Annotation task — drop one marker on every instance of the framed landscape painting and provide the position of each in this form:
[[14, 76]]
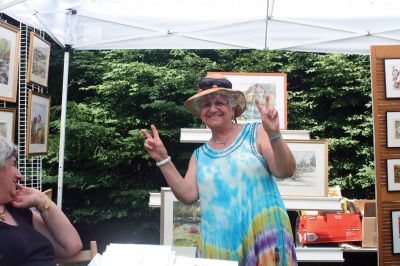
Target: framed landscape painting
[[7, 123], [395, 215], [311, 175], [9, 59], [179, 222], [38, 123], [393, 129], [258, 86], [392, 77], [39, 59], [393, 174]]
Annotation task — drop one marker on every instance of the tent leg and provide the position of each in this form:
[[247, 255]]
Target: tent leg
[[62, 130]]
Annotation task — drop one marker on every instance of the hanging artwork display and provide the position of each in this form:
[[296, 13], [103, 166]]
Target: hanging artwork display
[[39, 59], [258, 86], [9, 58], [311, 174], [393, 129], [7, 123], [392, 77], [38, 123]]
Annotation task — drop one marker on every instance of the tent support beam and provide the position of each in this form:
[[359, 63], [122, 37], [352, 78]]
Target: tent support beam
[[62, 128]]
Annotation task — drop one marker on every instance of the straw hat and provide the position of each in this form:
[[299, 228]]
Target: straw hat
[[217, 84]]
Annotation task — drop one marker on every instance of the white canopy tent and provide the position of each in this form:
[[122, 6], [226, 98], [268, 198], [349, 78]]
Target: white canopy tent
[[340, 26]]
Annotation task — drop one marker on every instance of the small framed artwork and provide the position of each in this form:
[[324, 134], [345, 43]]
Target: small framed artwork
[[39, 58], [38, 123], [180, 223], [7, 123], [392, 77], [395, 214], [9, 58], [258, 86], [393, 129], [311, 175], [393, 174]]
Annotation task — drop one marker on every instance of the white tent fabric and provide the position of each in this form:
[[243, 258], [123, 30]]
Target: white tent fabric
[[330, 26], [342, 26]]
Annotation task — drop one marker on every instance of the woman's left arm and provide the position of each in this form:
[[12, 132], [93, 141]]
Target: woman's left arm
[[269, 140], [50, 221]]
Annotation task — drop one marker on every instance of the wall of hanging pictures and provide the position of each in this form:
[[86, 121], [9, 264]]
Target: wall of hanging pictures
[[385, 70], [24, 104]]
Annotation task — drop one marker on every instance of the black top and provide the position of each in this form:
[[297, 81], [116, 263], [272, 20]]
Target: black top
[[22, 245]]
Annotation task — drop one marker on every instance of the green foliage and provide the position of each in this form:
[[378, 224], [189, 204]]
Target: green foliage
[[114, 94]]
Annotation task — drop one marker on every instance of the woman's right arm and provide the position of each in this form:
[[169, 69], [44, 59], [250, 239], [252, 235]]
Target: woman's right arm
[[185, 189]]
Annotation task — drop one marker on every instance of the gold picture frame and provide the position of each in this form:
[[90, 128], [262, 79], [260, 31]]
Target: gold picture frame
[[9, 61], [38, 123], [7, 123], [258, 86], [311, 175], [39, 60]]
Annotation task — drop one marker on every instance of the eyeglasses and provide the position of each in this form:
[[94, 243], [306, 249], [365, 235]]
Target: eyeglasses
[[217, 104], [207, 83]]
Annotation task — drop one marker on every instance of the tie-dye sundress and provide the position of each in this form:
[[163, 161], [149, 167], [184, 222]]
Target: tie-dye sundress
[[242, 213]]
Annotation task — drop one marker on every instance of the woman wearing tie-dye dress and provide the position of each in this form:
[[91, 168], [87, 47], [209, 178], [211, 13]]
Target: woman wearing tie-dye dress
[[243, 217]]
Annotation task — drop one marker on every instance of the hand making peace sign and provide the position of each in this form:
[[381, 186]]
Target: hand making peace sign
[[269, 117], [153, 145]]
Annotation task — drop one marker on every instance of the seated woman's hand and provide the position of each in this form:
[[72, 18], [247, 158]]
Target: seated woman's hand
[[28, 197]]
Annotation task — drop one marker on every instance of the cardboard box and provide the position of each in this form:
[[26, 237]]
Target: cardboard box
[[329, 228], [368, 222], [369, 235]]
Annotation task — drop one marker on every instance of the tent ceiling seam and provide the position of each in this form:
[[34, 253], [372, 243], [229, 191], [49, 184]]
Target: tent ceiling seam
[[12, 3]]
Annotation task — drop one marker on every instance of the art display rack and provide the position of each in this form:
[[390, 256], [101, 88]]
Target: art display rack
[[387, 200], [29, 167]]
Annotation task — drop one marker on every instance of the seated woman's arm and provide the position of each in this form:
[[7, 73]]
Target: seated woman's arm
[[50, 221]]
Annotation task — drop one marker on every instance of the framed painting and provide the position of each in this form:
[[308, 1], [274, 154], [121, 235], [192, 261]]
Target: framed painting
[[7, 123], [311, 175], [39, 59], [393, 174], [9, 59], [393, 129], [258, 86], [395, 215], [180, 223], [38, 123], [392, 77]]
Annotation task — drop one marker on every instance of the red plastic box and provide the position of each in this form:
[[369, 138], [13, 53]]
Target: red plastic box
[[330, 227]]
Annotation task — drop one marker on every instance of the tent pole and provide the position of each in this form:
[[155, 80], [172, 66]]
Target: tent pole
[[62, 128], [266, 28]]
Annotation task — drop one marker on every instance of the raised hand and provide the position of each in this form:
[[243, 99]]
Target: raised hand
[[153, 144], [269, 117]]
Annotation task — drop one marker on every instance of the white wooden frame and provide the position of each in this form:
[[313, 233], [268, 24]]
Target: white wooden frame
[[392, 77], [393, 174], [311, 176], [167, 226], [393, 129]]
